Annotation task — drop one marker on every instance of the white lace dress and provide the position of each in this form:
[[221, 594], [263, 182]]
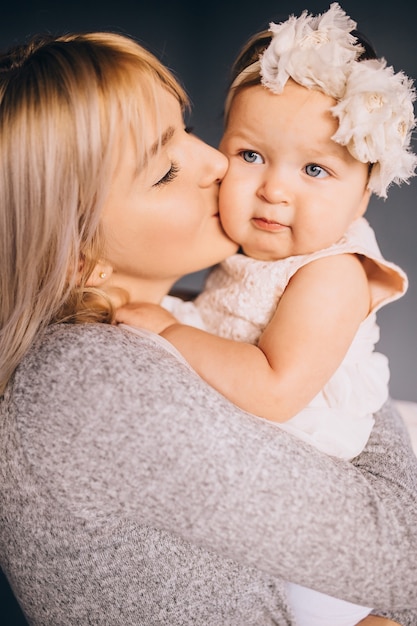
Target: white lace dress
[[239, 299]]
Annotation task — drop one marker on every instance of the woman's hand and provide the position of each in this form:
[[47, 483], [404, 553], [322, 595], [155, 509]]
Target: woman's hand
[[145, 315], [373, 620]]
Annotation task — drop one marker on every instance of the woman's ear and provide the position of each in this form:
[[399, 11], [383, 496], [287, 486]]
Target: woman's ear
[[100, 274]]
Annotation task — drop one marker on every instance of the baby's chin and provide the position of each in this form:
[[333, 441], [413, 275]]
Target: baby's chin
[[261, 255]]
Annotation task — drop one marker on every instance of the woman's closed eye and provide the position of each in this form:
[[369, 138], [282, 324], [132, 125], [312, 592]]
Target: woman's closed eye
[[316, 171], [169, 176], [251, 157]]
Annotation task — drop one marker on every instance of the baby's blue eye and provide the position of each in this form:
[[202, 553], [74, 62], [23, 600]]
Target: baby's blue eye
[[251, 157], [315, 171]]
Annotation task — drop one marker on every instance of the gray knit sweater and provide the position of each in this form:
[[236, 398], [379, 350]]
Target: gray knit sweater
[[131, 493]]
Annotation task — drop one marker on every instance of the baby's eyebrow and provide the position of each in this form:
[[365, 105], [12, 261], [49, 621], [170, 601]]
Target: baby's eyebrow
[[331, 148]]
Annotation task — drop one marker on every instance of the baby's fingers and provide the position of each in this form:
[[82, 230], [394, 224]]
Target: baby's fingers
[[145, 315]]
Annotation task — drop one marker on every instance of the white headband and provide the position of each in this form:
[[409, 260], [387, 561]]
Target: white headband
[[374, 104]]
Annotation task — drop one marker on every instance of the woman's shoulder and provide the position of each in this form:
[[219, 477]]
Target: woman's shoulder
[[88, 335], [73, 359], [82, 382], [99, 343], [90, 342]]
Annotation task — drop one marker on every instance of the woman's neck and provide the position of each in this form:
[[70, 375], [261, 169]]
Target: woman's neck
[[140, 289]]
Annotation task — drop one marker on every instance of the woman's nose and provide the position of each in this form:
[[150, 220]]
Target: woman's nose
[[214, 166]]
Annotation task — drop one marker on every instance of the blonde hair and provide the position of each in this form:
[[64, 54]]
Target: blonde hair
[[65, 105]]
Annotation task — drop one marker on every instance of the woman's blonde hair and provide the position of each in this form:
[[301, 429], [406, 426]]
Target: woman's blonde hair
[[65, 104]]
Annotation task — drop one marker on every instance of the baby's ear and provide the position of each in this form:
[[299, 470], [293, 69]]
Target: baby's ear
[[363, 205]]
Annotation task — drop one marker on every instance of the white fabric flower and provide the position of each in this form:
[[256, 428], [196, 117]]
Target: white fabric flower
[[376, 117], [313, 51], [374, 104]]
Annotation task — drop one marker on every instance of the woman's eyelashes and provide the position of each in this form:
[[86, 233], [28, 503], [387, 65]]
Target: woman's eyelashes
[[169, 176]]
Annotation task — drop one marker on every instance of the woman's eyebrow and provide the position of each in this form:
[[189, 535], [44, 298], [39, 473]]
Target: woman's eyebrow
[[161, 141]]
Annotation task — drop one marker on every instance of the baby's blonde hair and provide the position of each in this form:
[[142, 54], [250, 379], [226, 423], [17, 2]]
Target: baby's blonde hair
[[66, 103]]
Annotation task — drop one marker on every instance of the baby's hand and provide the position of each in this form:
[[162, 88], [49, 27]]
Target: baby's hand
[[145, 315]]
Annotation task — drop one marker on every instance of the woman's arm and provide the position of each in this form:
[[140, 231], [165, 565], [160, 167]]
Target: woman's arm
[[142, 437]]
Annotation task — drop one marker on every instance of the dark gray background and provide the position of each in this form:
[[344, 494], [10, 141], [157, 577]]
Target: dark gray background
[[198, 41]]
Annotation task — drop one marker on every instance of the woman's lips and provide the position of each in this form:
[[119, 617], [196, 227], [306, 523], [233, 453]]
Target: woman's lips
[[268, 225]]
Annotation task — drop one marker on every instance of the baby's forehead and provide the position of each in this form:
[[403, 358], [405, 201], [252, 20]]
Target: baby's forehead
[[296, 105], [299, 118]]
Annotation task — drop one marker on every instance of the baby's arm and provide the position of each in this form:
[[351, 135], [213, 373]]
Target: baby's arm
[[305, 342]]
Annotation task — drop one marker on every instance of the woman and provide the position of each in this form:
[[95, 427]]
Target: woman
[[131, 492]]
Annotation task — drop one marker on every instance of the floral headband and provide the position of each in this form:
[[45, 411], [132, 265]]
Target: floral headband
[[374, 104]]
